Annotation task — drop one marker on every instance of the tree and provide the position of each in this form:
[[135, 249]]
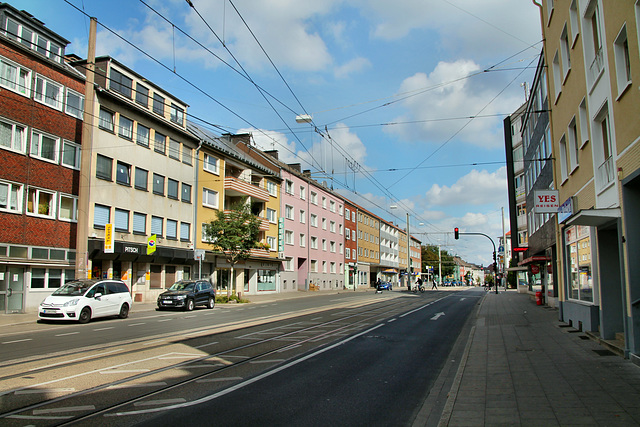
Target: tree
[[234, 233]]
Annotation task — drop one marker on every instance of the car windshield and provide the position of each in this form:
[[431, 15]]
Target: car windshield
[[182, 286], [73, 289]]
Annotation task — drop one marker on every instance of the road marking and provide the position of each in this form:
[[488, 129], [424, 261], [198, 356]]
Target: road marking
[[206, 345], [160, 402], [288, 348], [317, 318], [15, 341], [75, 360], [67, 409], [45, 390], [137, 324], [437, 316], [180, 356], [391, 320], [216, 365], [154, 342], [35, 417], [462, 299], [165, 320], [156, 384], [215, 380], [189, 317], [103, 329], [245, 383], [68, 333], [255, 362], [123, 371]]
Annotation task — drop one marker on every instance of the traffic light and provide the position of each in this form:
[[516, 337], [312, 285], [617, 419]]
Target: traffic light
[[456, 233]]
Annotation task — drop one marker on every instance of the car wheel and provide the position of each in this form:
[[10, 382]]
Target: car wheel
[[124, 311], [189, 305], [211, 303], [85, 315]]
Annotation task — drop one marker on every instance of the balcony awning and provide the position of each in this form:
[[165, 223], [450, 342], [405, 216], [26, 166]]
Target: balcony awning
[[533, 259], [594, 217]]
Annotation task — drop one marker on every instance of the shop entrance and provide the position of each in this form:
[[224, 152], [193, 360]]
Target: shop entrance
[[12, 290]]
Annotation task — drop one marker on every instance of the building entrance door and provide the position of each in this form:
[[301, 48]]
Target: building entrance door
[[12, 290]]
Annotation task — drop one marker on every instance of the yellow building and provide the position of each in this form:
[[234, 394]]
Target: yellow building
[[368, 245]]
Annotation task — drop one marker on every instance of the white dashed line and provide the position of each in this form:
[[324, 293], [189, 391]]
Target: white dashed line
[[15, 341], [160, 402], [67, 409]]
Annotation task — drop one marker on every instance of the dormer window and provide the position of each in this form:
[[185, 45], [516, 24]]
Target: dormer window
[[177, 114], [33, 40], [120, 83]]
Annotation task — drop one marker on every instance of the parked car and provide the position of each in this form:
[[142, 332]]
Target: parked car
[[83, 300], [187, 294]]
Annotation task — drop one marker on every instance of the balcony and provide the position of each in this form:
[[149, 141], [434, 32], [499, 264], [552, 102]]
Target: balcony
[[263, 253], [237, 187], [605, 173], [264, 222]]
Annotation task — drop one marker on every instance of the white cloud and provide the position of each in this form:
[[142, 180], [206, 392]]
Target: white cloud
[[474, 188], [353, 66]]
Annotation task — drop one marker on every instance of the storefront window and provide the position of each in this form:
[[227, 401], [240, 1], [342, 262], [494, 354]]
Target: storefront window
[[578, 243], [266, 280]]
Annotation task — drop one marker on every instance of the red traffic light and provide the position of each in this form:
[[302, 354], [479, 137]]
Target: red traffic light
[[456, 233]]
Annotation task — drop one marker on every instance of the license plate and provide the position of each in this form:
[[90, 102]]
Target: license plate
[[167, 301], [49, 311]]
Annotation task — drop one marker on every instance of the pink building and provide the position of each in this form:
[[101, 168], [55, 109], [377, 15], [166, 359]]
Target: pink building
[[313, 233]]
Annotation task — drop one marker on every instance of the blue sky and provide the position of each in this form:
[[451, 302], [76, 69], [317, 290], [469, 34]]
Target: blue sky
[[407, 96]]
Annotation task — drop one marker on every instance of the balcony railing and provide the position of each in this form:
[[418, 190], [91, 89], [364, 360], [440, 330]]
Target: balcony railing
[[596, 67], [246, 188], [606, 173]]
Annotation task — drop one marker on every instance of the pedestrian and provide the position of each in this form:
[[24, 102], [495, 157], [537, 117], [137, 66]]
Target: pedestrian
[[435, 285]]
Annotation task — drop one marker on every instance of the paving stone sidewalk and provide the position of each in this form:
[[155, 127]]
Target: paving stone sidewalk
[[523, 367]]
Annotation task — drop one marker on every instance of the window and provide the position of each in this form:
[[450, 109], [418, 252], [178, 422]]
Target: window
[[12, 136], [120, 83], [314, 242], [186, 193], [10, 197], [324, 223], [353, 235], [104, 167], [572, 133], [211, 165], [324, 244], [142, 95], [174, 149], [71, 155], [272, 188], [271, 215], [15, 77], [186, 155], [105, 120], [156, 225], [341, 249], [347, 253], [346, 213], [121, 220], [324, 266], [158, 104], [353, 216], [332, 206], [303, 216], [176, 114], [48, 92], [332, 226], [324, 202], [584, 124], [288, 187], [172, 188], [565, 52], [314, 198], [159, 142], [623, 65], [172, 229], [142, 135], [272, 242], [563, 159], [332, 267], [332, 246], [125, 128], [49, 278], [288, 212], [158, 184], [101, 216], [557, 75], [185, 231], [141, 178], [210, 198], [314, 220], [347, 233], [288, 264], [303, 240], [139, 223], [303, 192], [74, 104], [44, 146], [573, 19], [340, 228], [288, 237], [314, 266], [123, 173]]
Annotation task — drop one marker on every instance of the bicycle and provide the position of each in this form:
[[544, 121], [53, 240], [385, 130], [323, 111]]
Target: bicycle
[[417, 288]]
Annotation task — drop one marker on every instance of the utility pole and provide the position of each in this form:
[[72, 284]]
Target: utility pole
[[439, 266], [84, 190], [504, 253], [408, 253]]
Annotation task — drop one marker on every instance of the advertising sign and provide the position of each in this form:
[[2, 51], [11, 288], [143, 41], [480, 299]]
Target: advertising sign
[[151, 244], [108, 238], [546, 201], [281, 234], [565, 210]]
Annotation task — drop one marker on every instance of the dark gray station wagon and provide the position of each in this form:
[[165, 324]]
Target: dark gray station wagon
[[186, 294]]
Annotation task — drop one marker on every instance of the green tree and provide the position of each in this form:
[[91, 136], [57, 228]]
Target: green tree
[[234, 233]]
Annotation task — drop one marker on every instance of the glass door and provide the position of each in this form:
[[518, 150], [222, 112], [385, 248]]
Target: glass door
[[15, 290]]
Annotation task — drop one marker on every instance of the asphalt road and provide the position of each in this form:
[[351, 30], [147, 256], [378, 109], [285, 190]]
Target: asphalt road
[[379, 376]]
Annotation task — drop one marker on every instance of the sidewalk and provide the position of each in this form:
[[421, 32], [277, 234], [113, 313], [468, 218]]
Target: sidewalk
[[523, 367]]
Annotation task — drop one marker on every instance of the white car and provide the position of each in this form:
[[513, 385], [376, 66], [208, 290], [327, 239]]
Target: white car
[[83, 300]]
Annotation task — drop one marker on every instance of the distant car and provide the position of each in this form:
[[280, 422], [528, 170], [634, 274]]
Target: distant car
[[385, 286], [187, 294], [83, 300]]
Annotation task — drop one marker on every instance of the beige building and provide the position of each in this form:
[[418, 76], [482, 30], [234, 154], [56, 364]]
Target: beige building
[[592, 50], [368, 246]]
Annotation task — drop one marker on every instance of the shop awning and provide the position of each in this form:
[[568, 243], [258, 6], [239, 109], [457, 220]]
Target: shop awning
[[517, 268], [390, 270], [594, 217], [532, 259]]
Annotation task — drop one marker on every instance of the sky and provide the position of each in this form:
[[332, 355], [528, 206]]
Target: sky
[[407, 97]]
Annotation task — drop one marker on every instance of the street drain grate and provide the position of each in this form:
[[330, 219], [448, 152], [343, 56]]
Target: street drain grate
[[604, 353]]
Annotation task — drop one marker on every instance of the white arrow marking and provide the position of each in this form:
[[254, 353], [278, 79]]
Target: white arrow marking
[[462, 299], [437, 315]]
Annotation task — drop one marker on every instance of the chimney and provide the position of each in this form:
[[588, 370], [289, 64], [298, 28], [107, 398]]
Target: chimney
[[307, 173], [295, 166], [272, 153]]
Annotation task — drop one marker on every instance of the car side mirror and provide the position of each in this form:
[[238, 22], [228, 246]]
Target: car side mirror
[[97, 295]]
